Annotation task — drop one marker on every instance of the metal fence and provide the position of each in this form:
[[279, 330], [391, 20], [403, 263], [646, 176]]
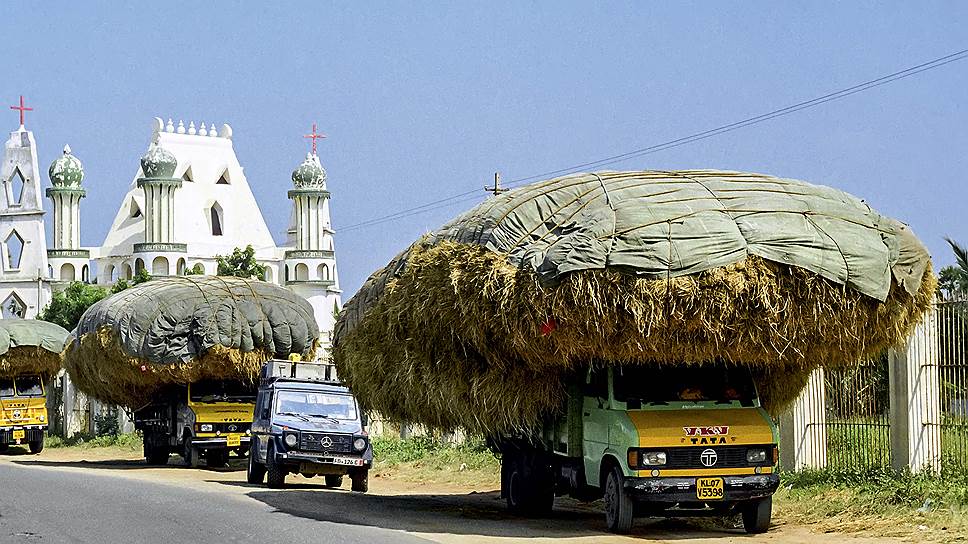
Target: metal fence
[[952, 369], [857, 416]]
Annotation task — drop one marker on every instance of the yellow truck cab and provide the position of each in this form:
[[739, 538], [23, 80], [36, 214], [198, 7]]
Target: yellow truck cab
[[207, 419], [23, 412], [668, 441]]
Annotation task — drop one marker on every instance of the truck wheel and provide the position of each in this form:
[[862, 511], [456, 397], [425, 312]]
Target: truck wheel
[[4, 447], [359, 481], [618, 503], [256, 472], [530, 491], [334, 480], [217, 458], [156, 455], [36, 446], [275, 473], [757, 514], [190, 453]]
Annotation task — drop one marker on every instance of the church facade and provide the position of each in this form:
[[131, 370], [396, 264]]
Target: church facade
[[188, 202]]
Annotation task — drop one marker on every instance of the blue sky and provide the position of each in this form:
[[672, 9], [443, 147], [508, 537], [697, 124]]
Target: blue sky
[[425, 101]]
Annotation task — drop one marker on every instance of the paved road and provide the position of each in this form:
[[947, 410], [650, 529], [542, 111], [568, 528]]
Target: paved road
[[52, 506]]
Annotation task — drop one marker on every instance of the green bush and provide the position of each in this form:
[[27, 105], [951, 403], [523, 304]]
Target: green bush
[[886, 486], [130, 441], [472, 453]]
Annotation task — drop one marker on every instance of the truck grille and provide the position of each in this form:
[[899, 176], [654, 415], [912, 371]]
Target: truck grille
[[31, 435], [726, 457], [341, 443]]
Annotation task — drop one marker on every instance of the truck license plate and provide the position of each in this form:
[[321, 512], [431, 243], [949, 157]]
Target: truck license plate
[[347, 461], [19, 434], [233, 440], [709, 489]]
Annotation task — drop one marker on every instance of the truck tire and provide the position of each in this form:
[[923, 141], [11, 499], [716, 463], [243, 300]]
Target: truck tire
[[619, 506], [275, 473], [360, 481], [530, 489], [156, 455], [256, 473], [4, 448], [36, 446], [217, 458], [757, 514], [334, 480]]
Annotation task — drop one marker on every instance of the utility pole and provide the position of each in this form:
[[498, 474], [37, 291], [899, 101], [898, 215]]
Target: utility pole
[[497, 189]]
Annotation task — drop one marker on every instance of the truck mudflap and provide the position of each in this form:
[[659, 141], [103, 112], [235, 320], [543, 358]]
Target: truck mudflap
[[686, 490]]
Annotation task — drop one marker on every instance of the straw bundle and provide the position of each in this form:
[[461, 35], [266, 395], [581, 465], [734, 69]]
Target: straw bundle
[[30, 347], [177, 330], [454, 333]]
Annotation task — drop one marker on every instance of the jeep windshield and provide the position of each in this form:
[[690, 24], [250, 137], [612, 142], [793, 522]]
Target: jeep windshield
[[221, 391], [657, 386], [313, 404]]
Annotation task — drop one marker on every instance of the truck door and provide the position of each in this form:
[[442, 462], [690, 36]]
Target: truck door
[[595, 423]]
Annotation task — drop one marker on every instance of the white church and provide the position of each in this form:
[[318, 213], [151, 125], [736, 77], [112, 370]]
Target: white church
[[188, 202]]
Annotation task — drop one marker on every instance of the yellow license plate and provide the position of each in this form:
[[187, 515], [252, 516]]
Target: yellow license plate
[[19, 435], [233, 440], [709, 489]]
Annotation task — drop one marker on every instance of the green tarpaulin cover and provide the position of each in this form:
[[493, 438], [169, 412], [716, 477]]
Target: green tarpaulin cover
[[15, 333]]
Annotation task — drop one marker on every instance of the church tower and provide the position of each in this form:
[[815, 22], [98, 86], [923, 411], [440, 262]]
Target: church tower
[[311, 265], [67, 260], [23, 245]]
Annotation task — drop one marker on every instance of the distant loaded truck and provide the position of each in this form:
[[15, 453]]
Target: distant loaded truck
[[673, 441], [23, 412], [207, 419]]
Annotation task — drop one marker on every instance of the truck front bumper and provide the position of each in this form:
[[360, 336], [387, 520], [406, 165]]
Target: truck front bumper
[[220, 442], [683, 490], [32, 433]]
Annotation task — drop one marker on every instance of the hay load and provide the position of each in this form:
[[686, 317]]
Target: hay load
[[480, 323], [30, 347], [179, 330]]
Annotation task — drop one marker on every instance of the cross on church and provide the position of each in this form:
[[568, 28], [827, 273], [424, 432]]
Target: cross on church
[[23, 109], [314, 136]]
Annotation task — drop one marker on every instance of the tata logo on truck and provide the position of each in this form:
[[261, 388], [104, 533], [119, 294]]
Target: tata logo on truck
[[715, 434]]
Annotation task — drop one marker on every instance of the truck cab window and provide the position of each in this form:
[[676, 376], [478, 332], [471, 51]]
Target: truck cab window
[[221, 391], [597, 383], [6, 388], [662, 385], [29, 386]]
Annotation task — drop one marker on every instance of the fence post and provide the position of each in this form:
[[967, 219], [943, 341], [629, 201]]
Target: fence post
[[915, 400], [803, 440]]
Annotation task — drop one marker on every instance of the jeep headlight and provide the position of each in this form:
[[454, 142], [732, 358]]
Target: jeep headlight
[[291, 440], [755, 455], [359, 444], [205, 427]]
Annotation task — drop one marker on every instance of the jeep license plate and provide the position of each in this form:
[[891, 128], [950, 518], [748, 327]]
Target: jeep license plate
[[19, 434], [709, 489], [233, 440], [347, 461]]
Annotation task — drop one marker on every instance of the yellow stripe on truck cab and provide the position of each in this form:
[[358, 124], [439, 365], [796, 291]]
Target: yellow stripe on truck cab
[[701, 427]]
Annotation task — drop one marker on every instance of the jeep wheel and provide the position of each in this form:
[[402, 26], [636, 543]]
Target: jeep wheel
[[360, 481], [36, 446], [618, 503], [275, 473], [334, 480], [256, 472], [757, 514]]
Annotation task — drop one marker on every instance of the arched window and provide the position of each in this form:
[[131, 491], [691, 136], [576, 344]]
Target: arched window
[[15, 187], [302, 272], [322, 271], [180, 267], [127, 271], [139, 265], [287, 272], [268, 275], [159, 266], [85, 274], [50, 271], [15, 250], [67, 272], [111, 273], [215, 213], [13, 306]]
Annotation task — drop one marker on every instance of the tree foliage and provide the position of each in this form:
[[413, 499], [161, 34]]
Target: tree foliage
[[66, 306], [241, 264], [953, 280], [122, 284], [197, 270]]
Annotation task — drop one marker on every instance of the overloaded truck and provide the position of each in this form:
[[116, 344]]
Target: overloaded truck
[[30, 356], [308, 423], [184, 354], [206, 419], [625, 334], [650, 442]]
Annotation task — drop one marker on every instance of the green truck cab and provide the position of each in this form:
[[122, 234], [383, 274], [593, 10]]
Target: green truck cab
[[668, 441]]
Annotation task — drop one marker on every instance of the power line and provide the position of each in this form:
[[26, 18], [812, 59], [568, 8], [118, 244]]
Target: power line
[[836, 95]]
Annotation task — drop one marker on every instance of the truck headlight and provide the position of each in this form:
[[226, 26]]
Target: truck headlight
[[755, 455], [359, 444], [42, 418], [644, 458], [290, 440], [205, 427]]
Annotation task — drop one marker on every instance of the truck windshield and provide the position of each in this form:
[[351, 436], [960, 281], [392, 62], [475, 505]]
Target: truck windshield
[[221, 391], [313, 404], [658, 386], [6, 387], [29, 386]]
